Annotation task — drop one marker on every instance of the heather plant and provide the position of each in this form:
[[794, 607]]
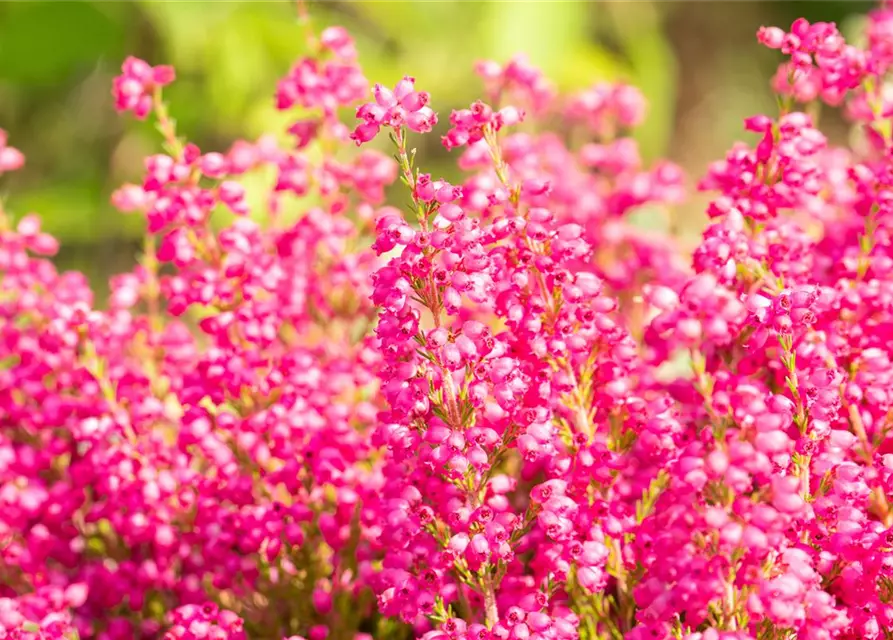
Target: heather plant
[[500, 411]]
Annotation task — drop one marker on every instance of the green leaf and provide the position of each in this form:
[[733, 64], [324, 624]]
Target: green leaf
[[241, 64], [637, 25], [47, 43], [519, 27], [186, 29], [76, 212], [650, 218], [570, 60]]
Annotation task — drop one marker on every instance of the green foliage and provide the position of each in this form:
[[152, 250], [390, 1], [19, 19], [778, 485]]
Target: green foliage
[[645, 506], [43, 43], [885, 589]]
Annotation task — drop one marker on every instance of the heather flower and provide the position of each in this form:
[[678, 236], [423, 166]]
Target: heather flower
[[10, 157], [501, 411], [402, 106], [133, 89]]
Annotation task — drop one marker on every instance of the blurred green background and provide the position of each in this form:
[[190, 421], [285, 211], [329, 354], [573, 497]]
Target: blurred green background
[[698, 64]]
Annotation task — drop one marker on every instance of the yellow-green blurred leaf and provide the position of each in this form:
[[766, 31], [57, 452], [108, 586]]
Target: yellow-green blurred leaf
[[42, 43]]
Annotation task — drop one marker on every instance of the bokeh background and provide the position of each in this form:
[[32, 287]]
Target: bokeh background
[[698, 64]]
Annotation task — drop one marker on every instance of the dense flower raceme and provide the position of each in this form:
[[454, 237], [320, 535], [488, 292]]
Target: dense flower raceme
[[465, 418]]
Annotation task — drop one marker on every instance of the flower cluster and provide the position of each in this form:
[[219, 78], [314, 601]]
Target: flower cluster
[[502, 412], [404, 106], [606, 108], [328, 81], [822, 64], [133, 90], [206, 621], [472, 125]]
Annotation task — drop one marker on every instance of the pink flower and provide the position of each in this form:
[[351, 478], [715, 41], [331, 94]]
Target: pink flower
[[133, 89], [10, 158]]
